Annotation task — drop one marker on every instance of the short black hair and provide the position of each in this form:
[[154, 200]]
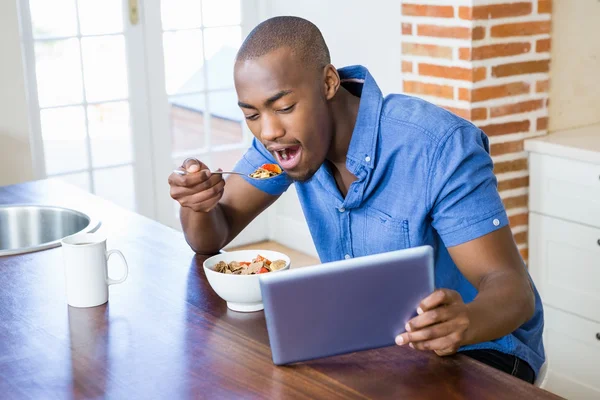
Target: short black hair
[[302, 37]]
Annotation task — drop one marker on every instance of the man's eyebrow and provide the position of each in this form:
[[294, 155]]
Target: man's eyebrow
[[269, 101], [244, 105], [276, 97]]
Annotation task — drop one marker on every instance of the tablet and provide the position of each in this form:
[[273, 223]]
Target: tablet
[[344, 306]]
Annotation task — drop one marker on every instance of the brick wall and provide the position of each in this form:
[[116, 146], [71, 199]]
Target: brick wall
[[487, 61]]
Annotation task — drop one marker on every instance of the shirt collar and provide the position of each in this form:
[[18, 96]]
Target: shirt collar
[[362, 149]]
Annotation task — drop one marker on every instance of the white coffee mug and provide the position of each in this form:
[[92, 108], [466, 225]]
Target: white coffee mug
[[86, 269]]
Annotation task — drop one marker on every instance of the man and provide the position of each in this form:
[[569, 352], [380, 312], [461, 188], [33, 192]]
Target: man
[[374, 174]]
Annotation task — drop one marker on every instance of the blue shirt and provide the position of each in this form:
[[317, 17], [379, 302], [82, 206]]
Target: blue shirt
[[424, 177]]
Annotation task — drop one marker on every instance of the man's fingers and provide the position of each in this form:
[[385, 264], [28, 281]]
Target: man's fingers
[[207, 194], [208, 204], [446, 352], [190, 179], [198, 193], [178, 192], [430, 317], [197, 178], [438, 298], [204, 195], [193, 165], [445, 345], [430, 333], [193, 168], [194, 183]]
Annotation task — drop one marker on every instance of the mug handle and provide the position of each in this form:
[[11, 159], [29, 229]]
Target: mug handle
[[110, 281]]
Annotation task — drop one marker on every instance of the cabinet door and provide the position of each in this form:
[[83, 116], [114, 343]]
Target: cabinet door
[[573, 353], [565, 189], [565, 264]]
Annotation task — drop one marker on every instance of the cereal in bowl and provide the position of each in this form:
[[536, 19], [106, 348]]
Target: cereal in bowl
[[258, 265]]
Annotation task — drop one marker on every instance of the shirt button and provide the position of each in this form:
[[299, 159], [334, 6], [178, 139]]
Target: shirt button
[[496, 222], [341, 209], [347, 256], [367, 158]]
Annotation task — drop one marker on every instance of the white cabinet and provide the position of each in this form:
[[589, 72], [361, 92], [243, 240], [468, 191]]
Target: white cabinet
[[564, 262], [565, 188], [564, 256], [574, 355]]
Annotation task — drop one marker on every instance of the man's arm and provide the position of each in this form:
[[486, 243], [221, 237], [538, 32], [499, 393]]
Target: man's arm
[[214, 213], [505, 298]]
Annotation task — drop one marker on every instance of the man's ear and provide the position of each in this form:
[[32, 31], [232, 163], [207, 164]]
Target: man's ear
[[331, 81]]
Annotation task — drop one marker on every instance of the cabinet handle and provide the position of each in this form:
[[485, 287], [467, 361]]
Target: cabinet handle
[[598, 335], [598, 241]]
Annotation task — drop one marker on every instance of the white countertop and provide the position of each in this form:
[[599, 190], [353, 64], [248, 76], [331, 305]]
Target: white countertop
[[582, 144]]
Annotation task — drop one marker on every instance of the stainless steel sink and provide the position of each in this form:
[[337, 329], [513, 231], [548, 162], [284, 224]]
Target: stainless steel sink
[[28, 228]]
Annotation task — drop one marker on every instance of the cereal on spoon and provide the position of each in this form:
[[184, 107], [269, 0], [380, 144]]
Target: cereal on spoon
[[266, 171]]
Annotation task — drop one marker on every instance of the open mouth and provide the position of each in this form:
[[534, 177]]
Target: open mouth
[[288, 157]]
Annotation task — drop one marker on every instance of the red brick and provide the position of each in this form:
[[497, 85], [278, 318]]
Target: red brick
[[521, 237], [478, 33], [458, 32], [520, 68], [542, 46], [464, 53], [494, 92], [441, 71], [500, 11], [478, 113], [500, 50], [510, 166], [461, 112], [507, 147], [418, 10], [427, 50], [465, 12], [472, 115], [518, 219], [544, 6], [506, 128], [514, 202], [479, 74], [516, 108], [521, 29], [524, 254], [407, 66], [458, 73], [429, 89], [406, 29], [513, 183], [542, 86], [464, 94], [542, 124]]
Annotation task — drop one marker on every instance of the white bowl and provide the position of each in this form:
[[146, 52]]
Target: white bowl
[[241, 292]]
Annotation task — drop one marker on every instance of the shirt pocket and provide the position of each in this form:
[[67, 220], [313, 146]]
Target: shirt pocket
[[385, 233]]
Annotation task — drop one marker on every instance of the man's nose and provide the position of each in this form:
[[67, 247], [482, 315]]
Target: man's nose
[[271, 129]]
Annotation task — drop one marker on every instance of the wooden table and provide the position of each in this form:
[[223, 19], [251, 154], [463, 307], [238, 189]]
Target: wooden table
[[165, 334]]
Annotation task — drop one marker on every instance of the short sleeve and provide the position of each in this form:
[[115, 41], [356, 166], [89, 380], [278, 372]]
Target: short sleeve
[[463, 190], [254, 157]]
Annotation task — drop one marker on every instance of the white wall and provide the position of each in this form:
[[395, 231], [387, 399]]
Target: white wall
[[357, 32], [15, 151], [575, 67]]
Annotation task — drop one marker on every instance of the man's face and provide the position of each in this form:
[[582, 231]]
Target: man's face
[[286, 108]]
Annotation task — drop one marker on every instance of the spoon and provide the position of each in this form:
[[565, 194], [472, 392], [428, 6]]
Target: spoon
[[182, 172], [268, 167]]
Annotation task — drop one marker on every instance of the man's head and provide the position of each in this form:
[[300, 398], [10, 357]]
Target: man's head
[[284, 82]]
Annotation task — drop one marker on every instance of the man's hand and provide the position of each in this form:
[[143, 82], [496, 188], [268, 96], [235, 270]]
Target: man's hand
[[198, 189], [441, 325]]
